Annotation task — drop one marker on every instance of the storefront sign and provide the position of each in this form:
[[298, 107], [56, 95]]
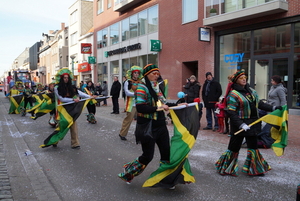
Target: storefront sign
[[83, 67], [233, 59], [86, 48], [155, 45], [204, 34], [92, 60], [123, 50]]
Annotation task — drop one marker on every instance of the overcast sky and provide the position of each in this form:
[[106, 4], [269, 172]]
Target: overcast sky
[[22, 23]]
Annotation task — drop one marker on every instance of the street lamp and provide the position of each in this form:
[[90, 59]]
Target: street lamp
[[73, 57]]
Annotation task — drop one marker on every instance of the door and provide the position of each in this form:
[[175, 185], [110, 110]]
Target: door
[[265, 68]]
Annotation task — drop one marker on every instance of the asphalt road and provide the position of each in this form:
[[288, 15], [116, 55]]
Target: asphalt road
[[91, 173]]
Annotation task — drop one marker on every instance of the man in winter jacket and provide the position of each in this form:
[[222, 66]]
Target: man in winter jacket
[[210, 94], [115, 93]]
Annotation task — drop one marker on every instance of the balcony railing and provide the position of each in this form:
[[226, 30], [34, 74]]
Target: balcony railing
[[220, 12]]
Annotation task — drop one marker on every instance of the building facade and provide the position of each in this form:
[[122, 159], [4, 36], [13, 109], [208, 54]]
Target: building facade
[[260, 36], [80, 22]]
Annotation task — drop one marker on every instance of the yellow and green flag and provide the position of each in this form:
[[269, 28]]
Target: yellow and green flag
[[178, 171], [68, 113], [279, 131], [47, 105], [15, 103]]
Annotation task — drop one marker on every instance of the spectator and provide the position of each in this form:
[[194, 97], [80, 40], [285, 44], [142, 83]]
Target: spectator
[[115, 93], [192, 89], [104, 92], [210, 94]]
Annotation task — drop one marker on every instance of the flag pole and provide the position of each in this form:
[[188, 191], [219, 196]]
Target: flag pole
[[255, 122]]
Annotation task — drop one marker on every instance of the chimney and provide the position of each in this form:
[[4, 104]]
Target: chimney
[[62, 26]]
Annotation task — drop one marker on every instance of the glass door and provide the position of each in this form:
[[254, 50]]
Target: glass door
[[265, 69]]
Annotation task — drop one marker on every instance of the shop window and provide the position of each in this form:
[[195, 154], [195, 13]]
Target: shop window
[[102, 72], [133, 26], [125, 29], [189, 11], [114, 67], [125, 66], [142, 23], [153, 19], [296, 70], [114, 34]]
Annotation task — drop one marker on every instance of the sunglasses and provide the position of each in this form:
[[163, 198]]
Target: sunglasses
[[156, 73]]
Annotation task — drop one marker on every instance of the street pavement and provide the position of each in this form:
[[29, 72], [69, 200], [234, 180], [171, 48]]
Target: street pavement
[[31, 173]]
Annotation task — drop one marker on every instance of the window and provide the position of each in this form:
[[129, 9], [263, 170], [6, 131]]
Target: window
[[142, 23], [73, 17], [153, 19], [114, 34], [73, 38], [125, 29], [133, 26], [189, 10], [102, 38], [109, 3], [280, 37], [100, 6]]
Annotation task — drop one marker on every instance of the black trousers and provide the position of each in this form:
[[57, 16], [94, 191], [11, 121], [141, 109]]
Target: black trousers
[[91, 108], [115, 101], [236, 141], [162, 140]]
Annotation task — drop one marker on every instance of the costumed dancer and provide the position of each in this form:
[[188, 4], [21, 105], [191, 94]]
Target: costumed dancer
[[20, 87], [39, 88], [64, 93], [91, 106], [27, 99], [14, 104], [13, 91], [242, 109], [148, 97], [50, 91], [130, 85]]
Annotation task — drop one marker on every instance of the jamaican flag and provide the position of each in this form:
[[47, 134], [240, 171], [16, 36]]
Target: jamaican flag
[[279, 131], [47, 105], [15, 103], [68, 113], [178, 171], [39, 99]]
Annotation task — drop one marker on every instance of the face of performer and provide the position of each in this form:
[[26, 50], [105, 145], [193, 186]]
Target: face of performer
[[153, 76], [242, 80], [51, 87], [66, 78], [135, 75]]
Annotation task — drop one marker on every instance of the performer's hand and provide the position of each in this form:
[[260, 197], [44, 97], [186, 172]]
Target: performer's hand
[[76, 100], [245, 127], [163, 107], [183, 104], [278, 108]]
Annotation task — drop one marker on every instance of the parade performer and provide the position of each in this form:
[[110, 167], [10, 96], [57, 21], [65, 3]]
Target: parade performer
[[91, 107], [150, 113], [20, 87], [39, 88], [68, 113], [242, 109], [130, 85], [16, 100], [27, 92]]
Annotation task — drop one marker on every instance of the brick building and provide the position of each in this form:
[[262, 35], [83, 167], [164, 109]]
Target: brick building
[[260, 36]]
